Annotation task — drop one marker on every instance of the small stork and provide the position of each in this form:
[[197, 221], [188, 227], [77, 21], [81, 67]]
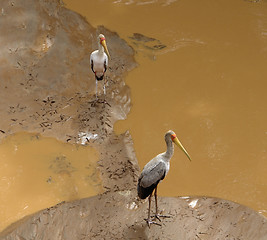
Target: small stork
[[99, 61], [155, 171]]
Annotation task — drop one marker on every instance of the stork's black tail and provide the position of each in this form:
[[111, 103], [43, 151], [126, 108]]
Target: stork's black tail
[[99, 78], [145, 192]]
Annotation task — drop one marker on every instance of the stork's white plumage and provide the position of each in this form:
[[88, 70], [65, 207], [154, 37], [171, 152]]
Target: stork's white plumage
[[99, 61], [155, 171]]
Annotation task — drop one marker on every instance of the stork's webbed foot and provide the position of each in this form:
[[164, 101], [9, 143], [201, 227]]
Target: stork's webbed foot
[[149, 222], [97, 100], [93, 103], [158, 216], [104, 101]]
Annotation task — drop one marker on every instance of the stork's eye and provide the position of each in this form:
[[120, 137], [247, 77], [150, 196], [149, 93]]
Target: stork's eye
[[173, 136]]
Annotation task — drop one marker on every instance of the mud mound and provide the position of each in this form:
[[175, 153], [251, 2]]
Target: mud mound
[[120, 216]]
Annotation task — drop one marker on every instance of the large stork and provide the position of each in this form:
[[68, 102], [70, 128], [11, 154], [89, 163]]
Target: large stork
[[99, 61], [155, 171]]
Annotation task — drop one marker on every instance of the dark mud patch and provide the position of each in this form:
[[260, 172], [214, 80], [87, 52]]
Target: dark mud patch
[[146, 46]]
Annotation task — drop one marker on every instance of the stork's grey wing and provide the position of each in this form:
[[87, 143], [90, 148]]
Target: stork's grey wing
[[153, 174]]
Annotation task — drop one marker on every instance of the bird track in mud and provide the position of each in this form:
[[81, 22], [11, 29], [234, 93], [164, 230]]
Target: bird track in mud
[[50, 90]]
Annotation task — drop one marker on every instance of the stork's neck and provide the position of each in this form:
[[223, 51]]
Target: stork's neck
[[100, 48], [170, 149]]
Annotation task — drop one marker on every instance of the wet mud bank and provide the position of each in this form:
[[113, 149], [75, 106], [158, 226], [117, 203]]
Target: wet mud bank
[[118, 216], [47, 87]]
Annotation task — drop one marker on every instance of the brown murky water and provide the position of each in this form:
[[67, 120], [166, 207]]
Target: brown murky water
[[208, 84], [37, 172]]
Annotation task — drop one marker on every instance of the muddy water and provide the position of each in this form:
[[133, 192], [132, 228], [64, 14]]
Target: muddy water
[[208, 84], [37, 172]]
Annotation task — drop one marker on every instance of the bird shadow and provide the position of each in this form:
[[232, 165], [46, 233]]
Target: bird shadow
[[136, 231]]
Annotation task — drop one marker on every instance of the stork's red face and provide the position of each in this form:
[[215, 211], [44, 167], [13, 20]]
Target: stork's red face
[[173, 136], [102, 39]]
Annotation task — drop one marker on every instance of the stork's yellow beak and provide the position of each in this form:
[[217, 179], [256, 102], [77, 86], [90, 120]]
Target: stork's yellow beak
[[179, 144], [103, 42]]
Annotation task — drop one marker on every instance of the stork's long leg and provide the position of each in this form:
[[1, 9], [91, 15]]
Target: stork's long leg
[[148, 220], [149, 206], [104, 88], [96, 88], [157, 215], [156, 202]]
